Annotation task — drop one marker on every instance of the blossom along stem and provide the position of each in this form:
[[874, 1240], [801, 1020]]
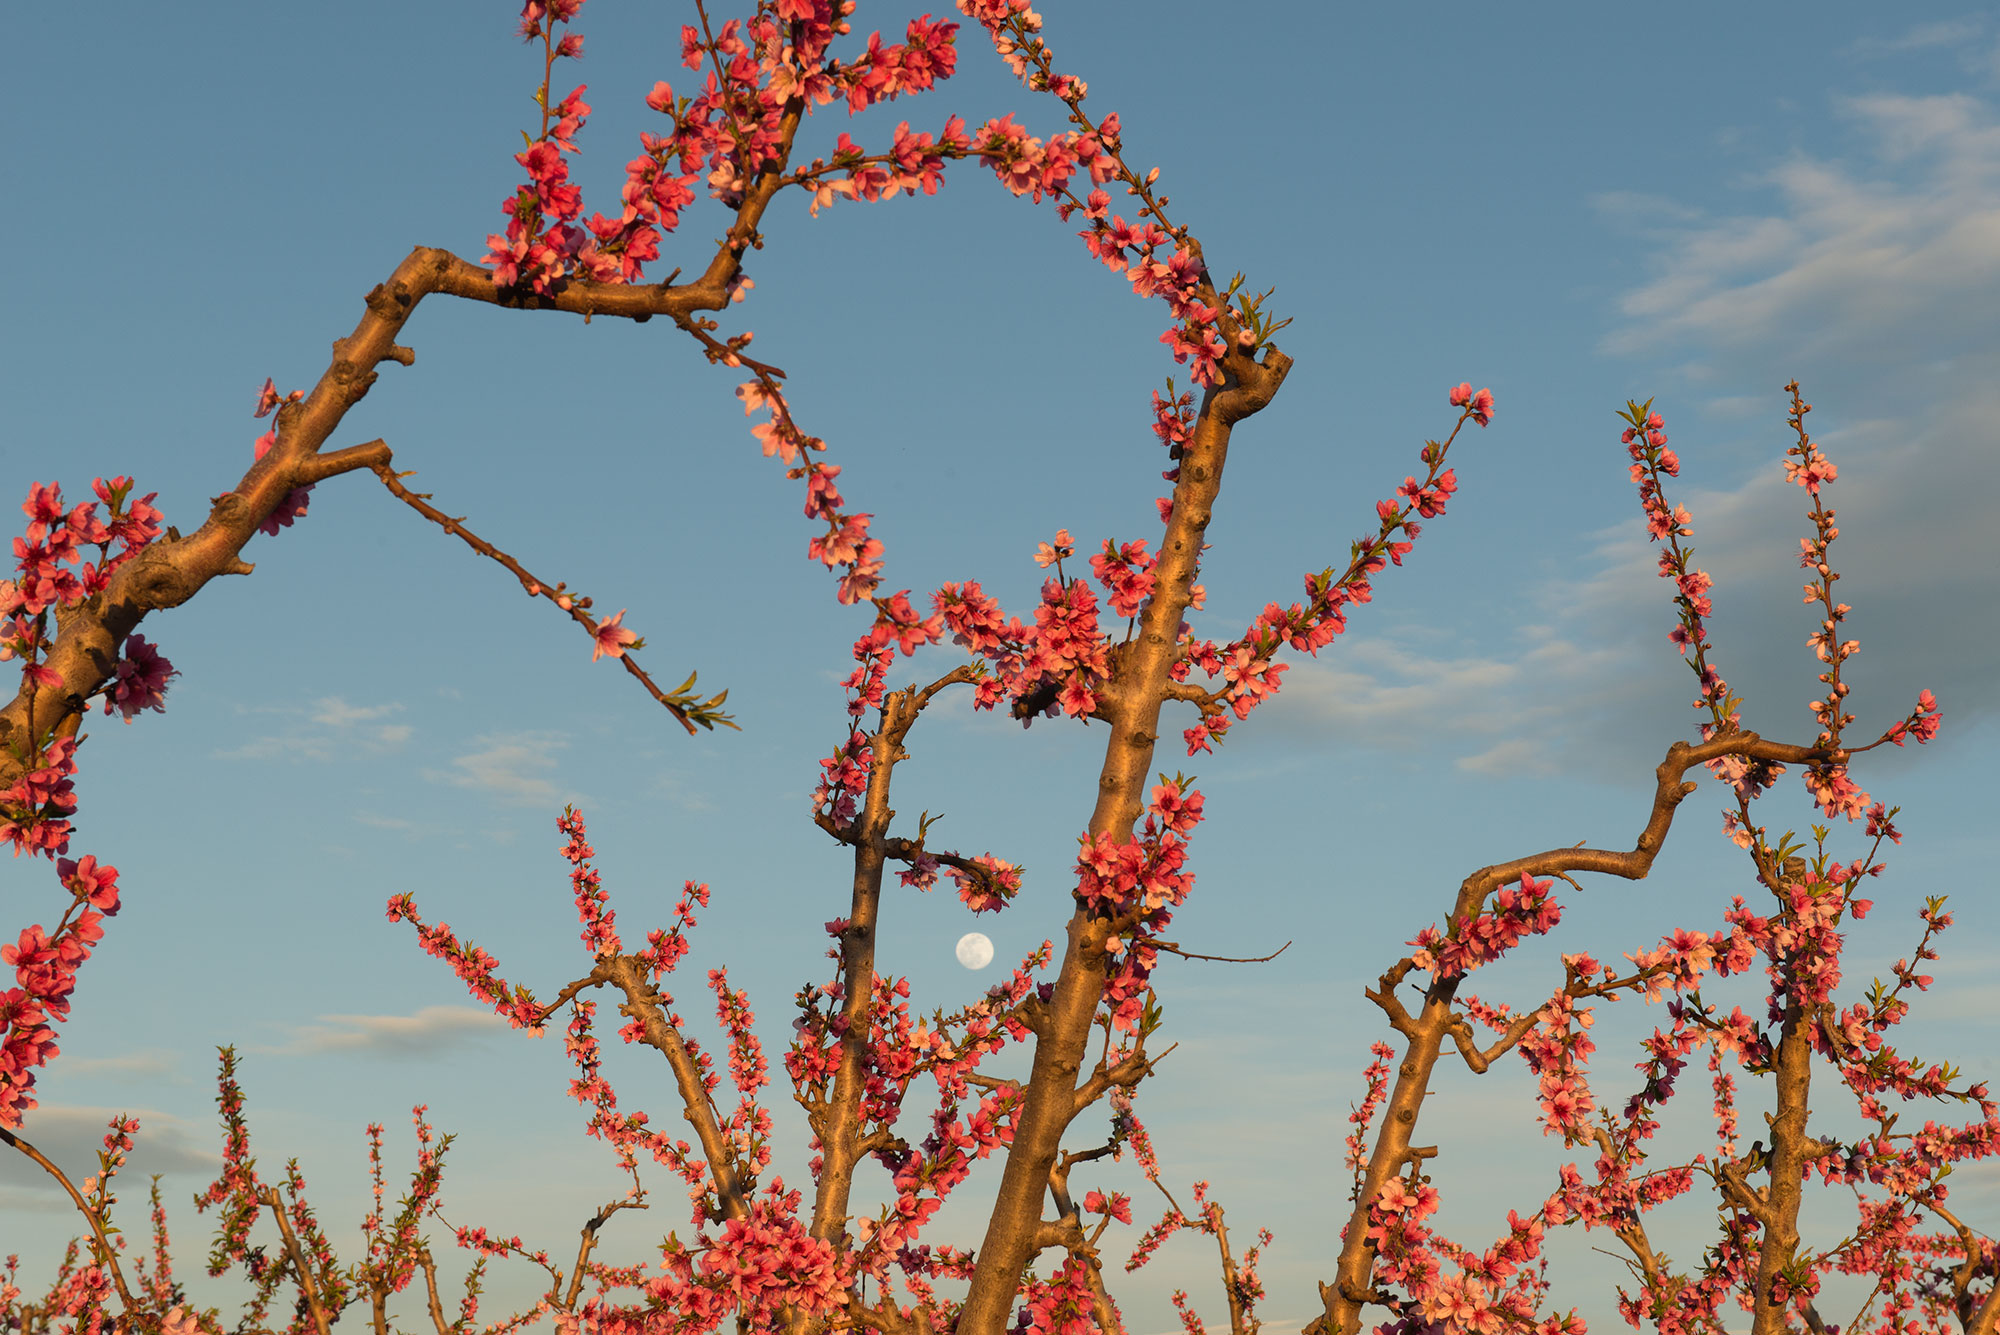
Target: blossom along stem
[[1389, 1257], [92, 1212], [1131, 701], [164, 574], [684, 703], [858, 1050]]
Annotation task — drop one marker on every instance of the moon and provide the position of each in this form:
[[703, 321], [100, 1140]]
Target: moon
[[974, 950]]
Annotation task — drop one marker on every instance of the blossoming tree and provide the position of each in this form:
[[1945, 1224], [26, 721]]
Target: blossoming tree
[[802, 1258]]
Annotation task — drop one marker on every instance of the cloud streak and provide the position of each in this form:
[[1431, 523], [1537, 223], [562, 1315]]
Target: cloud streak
[[513, 768], [1871, 278], [141, 1065], [71, 1136], [326, 729], [431, 1030]]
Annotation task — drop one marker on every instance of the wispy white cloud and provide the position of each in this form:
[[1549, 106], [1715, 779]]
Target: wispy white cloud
[[430, 1030], [390, 823], [1871, 277], [322, 730], [1385, 690], [1849, 261], [682, 792], [1616, 206], [1737, 406], [1963, 36], [146, 1065], [71, 1135], [514, 768], [334, 712]]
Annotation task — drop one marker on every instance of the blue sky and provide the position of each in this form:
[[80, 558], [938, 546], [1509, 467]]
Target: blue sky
[[1572, 209]]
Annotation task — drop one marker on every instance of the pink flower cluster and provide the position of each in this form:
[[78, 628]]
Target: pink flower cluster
[[1180, 278], [1527, 910], [45, 965], [986, 890], [1496, 1290], [1376, 1077], [896, 1050], [915, 162], [1921, 725], [474, 967], [1829, 781], [749, 1126], [1246, 1289], [394, 1246], [846, 542], [1646, 441], [237, 1187], [1139, 881], [293, 507], [761, 1260], [600, 935], [53, 541], [1059, 1305], [395, 1249], [35, 809], [1802, 949], [768, 1261], [729, 134], [1801, 944], [1250, 676], [542, 241], [844, 776], [84, 1293], [1059, 660]]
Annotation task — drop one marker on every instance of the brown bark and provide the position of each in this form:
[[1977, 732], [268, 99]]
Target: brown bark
[[174, 567], [309, 1293], [1979, 1316], [1130, 702], [100, 1244], [1791, 1065], [656, 1030], [1425, 1033], [837, 1123]]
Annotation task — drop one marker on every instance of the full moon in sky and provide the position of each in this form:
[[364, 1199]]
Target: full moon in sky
[[974, 950]]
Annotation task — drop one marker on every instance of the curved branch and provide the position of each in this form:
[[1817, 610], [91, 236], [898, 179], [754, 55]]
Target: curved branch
[[1979, 1317], [642, 1003], [1425, 1033], [308, 1289], [172, 570], [1126, 1075], [102, 1244]]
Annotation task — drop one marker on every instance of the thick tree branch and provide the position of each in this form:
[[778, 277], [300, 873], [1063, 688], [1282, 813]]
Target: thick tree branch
[[642, 1003], [1130, 701], [301, 1266], [1425, 1032], [175, 568]]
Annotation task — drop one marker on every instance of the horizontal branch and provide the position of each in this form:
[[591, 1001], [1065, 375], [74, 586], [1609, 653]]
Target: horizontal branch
[[176, 567], [1669, 791]]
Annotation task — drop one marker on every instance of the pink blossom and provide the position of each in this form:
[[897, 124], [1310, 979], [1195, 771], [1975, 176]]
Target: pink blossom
[[611, 638]]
